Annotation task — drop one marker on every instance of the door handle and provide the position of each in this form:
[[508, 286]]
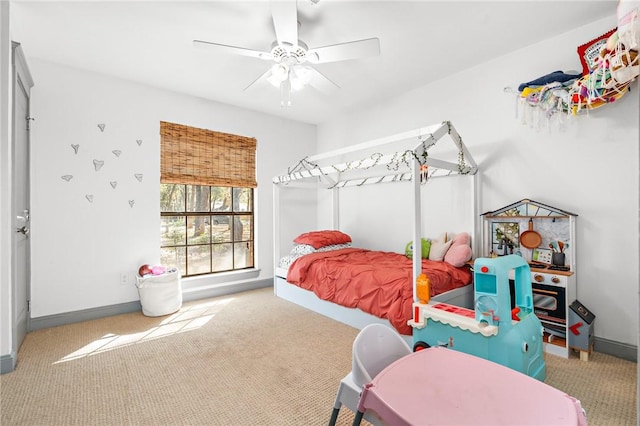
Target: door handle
[[24, 230], [24, 218]]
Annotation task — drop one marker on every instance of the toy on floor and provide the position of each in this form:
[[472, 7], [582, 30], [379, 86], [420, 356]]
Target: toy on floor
[[494, 330]]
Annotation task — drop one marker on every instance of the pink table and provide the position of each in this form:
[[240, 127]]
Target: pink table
[[439, 386]]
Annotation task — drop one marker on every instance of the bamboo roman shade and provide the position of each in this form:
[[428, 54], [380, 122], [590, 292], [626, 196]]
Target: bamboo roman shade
[[195, 156]]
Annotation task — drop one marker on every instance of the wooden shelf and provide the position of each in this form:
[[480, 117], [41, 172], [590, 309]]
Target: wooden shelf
[[551, 271], [555, 340]]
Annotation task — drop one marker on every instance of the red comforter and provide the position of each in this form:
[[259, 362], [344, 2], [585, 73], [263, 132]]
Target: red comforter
[[376, 282]]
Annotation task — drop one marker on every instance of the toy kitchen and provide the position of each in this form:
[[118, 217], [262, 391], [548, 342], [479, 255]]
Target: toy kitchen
[[545, 237]]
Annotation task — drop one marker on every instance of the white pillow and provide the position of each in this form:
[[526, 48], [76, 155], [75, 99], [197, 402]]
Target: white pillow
[[335, 247], [286, 261], [302, 249], [439, 250]]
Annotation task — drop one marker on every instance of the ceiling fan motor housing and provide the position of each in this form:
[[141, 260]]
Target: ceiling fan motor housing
[[286, 52]]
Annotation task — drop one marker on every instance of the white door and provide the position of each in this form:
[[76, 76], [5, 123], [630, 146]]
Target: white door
[[20, 185]]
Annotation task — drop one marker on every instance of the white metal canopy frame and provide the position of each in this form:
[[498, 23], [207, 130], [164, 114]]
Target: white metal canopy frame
[[382, 167], [403, 157]]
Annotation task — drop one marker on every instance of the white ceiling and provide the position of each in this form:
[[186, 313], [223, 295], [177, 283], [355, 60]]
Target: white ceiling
[[420, 41]]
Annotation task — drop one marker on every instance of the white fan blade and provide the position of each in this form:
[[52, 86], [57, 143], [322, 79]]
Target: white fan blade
[[263, 77], [285, 22], [321, 82], [223, 48], [344, 51]]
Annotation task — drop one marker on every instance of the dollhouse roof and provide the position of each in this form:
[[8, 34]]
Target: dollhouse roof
[[527, 207]]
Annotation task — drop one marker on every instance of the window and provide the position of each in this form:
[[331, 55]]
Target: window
[[206, 192], [206, 229]]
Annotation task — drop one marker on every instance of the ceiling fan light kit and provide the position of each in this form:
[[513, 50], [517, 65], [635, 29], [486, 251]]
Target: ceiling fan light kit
[[279, 73], [289, 54]]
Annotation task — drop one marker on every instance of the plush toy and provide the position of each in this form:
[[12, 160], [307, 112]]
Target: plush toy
[[460, 250], [628, 14], [426, 246], [144, 270], [158, 270], [619, 60]]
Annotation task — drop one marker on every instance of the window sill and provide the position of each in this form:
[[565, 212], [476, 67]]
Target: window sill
[[215, 285], [215, 280]]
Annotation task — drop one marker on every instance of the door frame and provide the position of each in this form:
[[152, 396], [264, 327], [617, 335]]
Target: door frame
[[22, 82], [6, 214]]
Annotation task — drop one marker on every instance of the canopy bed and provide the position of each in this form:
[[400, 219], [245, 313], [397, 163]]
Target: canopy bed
[[324, 273]]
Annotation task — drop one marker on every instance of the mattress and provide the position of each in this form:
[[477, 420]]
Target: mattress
[[379, 283]]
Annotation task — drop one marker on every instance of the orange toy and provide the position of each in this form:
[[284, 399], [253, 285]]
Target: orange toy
[[423, 288]]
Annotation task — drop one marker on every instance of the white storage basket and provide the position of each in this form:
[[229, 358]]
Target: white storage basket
[[160, 294]]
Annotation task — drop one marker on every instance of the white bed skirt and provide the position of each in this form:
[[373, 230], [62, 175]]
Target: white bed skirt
[[354, 317]]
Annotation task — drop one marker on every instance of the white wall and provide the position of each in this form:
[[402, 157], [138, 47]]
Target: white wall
[[589, 168], [297, 215], [80, 248], [446, 207]]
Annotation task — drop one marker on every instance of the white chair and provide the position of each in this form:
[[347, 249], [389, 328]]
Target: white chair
[[374, 348]]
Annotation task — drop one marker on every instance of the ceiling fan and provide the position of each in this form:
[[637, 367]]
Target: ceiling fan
[[293, 59]]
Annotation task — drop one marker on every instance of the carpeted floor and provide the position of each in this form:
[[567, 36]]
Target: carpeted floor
[[245, 359]]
